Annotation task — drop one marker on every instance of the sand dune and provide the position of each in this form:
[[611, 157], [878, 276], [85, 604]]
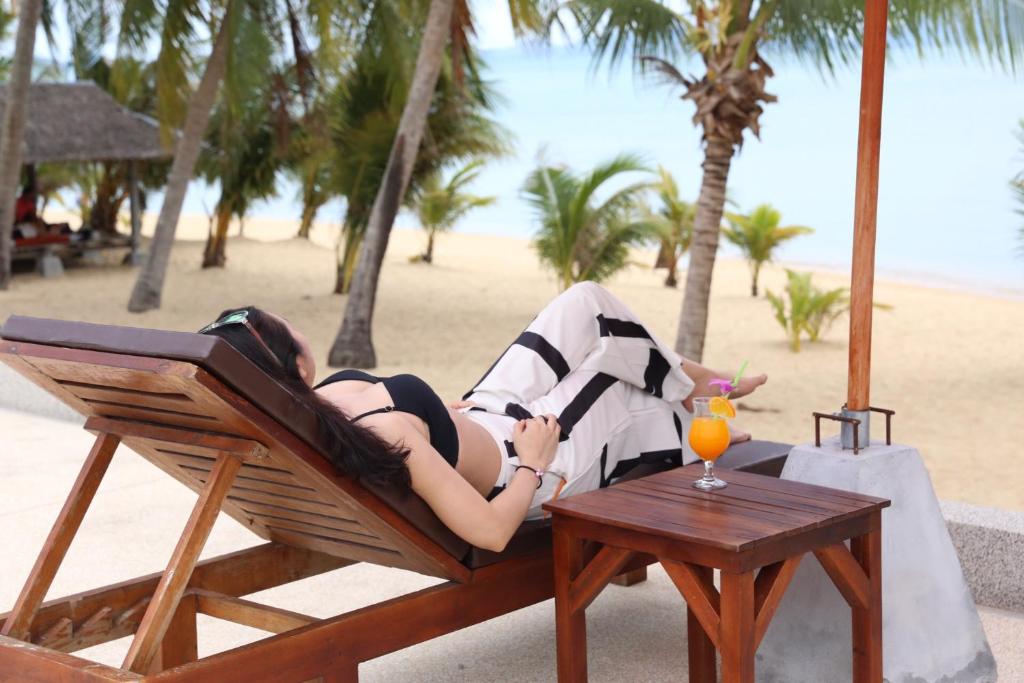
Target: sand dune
[[950, 363]]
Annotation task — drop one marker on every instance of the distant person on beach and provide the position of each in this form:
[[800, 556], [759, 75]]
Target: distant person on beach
[[582, 395], [28, 223]]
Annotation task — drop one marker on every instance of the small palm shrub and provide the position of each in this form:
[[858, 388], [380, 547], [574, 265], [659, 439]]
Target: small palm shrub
[[673, 225], [582, 237], [440, 205], [758, 235], [810, 311]]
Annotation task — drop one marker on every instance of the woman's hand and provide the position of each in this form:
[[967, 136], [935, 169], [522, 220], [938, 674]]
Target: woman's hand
[[460, 404], [536, 440]]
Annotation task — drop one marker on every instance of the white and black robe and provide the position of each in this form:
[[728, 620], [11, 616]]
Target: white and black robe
[[616, 389]]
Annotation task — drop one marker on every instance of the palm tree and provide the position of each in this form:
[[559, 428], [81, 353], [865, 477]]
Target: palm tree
[[728, 36], [673, 225], [364, 114], [580, 237], [148, 287], [758, 235], [12, 127], [241, 154], [353, 345], [233, 27], [440, 205]]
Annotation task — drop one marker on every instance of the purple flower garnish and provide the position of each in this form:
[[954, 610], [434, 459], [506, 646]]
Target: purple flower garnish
[[724, 385]]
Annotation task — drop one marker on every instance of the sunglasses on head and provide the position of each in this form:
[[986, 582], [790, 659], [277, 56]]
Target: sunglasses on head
[[241, 318]]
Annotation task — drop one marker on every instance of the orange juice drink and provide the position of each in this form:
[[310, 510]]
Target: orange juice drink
[[709, 437]]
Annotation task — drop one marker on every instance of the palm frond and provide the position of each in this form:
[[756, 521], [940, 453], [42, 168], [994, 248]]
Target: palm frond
[[617, 30], [829, 32]]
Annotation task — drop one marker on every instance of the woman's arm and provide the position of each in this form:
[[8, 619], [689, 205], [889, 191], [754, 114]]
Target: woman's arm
[[485, 524]]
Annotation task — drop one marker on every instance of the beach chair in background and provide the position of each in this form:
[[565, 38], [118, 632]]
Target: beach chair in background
[[202, 413]]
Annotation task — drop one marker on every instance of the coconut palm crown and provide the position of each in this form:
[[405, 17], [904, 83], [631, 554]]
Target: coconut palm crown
[[758, 235], [582, 237], [440, 205]]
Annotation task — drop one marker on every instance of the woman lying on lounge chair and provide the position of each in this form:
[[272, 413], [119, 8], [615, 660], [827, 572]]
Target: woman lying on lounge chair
[[568, 407]]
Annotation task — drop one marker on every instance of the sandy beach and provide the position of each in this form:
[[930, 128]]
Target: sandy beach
[[950, 362]]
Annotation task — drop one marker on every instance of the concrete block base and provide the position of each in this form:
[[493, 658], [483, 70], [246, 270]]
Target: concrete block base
[[931, 629]]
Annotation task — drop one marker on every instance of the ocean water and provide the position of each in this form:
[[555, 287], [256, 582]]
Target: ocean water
[[949, 150]]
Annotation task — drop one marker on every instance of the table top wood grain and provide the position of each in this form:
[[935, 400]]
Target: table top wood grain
[[751, 511]]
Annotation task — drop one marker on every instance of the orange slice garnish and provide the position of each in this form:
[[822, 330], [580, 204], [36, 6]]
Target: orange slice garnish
[[721, 407]]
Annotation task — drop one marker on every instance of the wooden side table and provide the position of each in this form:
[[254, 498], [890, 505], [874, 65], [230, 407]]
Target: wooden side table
[[756, 530]]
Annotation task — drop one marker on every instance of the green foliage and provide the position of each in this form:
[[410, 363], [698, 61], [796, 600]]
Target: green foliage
[[811, 311], [807, 310], [825, 32], [440, 205], [758, 235], [672, 223], [581, 237], [365, 108]]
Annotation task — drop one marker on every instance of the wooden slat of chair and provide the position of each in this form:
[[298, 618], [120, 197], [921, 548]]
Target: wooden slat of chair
[[49, 365]]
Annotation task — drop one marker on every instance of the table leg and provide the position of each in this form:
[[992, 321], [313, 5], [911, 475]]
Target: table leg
[[867, 623], [736, 639], [570, 627], [700, 648]]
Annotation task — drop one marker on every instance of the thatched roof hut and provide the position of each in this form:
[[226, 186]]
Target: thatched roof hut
[[81, 122]]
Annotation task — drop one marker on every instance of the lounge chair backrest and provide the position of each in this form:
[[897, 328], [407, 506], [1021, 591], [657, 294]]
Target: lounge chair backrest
[[176, 398]]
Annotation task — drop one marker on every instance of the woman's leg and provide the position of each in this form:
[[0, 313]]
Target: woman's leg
[[702, 377], [584, 323]]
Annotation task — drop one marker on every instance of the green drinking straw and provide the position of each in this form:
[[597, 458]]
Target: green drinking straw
[[739, 373]]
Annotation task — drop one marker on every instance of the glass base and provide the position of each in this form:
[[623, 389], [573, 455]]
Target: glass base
[[709, 484]]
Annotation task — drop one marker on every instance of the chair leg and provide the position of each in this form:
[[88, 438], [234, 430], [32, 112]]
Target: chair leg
[[175, 580], [180, 643], [631, 578], [19, 621]]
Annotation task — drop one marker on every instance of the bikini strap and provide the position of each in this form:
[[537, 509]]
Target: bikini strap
[[385, 409]]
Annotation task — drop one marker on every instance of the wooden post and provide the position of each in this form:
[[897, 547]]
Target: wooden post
[[19, 621], [866, 203]]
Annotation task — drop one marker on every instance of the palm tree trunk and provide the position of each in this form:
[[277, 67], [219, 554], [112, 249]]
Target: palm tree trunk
[[428, 257], [693, 321], [308, 214], [670, 278], [348, 260], [354, 345], [215, 253], [755, 275], [309, 207], [14, 127], [149, 286]]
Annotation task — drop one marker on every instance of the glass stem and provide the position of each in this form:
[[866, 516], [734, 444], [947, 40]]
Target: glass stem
[[709, 474]]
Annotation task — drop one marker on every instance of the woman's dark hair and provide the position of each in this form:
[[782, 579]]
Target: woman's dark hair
[[353, 450]]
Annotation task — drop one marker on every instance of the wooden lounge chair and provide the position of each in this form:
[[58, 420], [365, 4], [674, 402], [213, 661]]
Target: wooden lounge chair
[[201, 412]]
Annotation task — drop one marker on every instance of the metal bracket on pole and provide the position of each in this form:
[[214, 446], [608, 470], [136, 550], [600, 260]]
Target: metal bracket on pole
[[856, 427]]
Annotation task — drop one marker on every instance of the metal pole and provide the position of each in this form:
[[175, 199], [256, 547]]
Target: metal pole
[[865, 215]]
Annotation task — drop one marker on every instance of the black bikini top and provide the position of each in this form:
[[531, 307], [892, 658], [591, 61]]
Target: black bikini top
[[411, 395]]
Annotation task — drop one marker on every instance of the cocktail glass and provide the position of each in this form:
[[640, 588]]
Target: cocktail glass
[[709, 437]]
